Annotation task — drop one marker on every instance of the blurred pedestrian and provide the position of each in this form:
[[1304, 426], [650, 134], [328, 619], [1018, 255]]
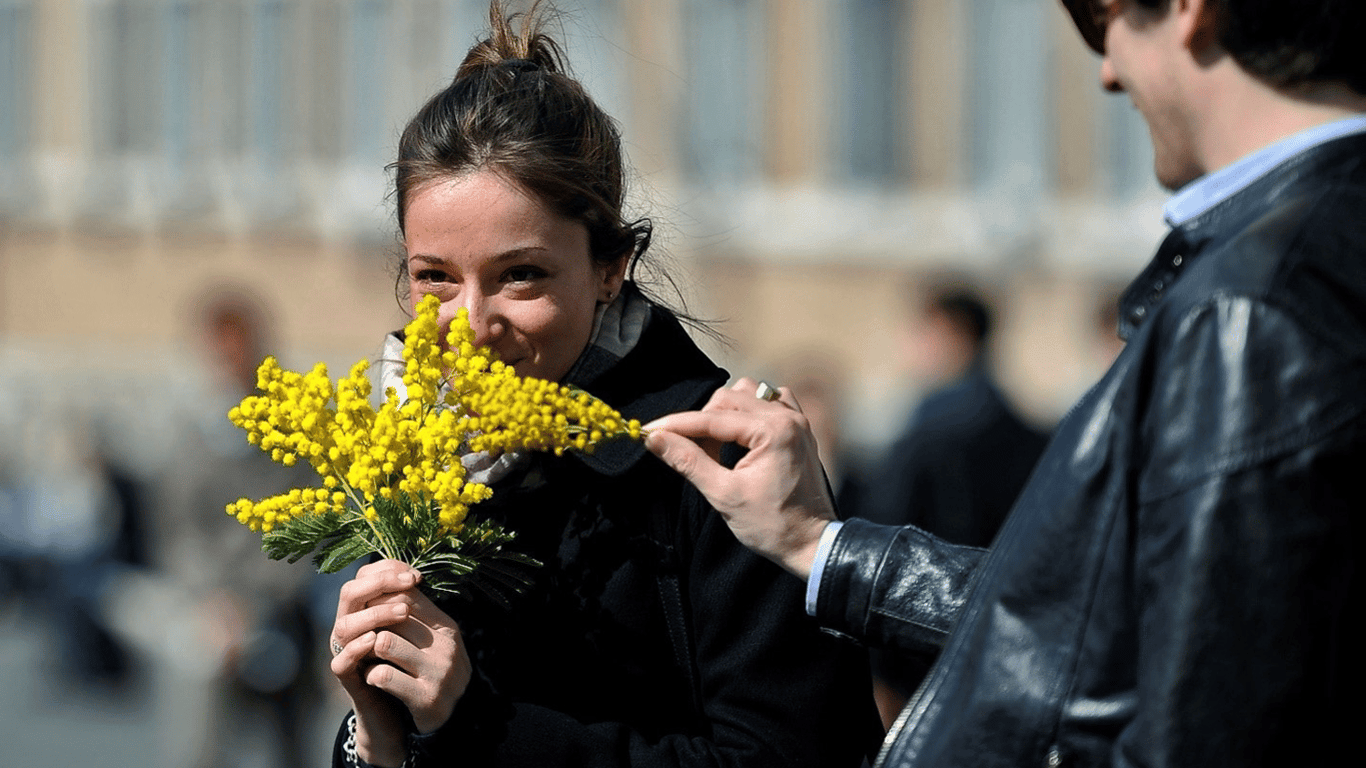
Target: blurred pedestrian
[[244, 670], [960, 460], [965, 452], [72, 522]]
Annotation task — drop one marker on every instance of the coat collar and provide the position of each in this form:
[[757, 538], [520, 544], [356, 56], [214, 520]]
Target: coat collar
[[1337, 157], [664, 372]]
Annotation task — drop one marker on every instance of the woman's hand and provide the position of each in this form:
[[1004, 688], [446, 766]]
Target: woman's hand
[[776, 499], [382, 617]]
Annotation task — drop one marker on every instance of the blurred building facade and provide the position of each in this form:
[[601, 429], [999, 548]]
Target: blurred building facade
[[808, 163]]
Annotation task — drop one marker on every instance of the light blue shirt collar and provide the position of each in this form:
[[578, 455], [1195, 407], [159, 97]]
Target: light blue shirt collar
[[1213, 188]]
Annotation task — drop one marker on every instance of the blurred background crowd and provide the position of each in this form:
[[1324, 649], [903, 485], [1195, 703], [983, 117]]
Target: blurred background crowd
[[907, 210]]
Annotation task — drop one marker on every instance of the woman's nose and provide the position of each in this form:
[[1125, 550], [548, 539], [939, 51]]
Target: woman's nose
[[485, 320]]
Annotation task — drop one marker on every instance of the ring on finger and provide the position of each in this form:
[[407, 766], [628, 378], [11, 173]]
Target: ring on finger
[[767, 392], [336, 647]]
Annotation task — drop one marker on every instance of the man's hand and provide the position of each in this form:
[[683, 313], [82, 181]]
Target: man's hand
[[775, 500]]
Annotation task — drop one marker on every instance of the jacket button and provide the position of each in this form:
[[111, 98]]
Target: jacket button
[[1176, 260], [1054, 758]]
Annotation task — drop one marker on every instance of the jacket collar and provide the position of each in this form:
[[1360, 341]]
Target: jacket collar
[[1213, 188], [662, 373], [1233, 211]]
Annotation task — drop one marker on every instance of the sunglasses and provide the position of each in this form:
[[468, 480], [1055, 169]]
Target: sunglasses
[[1091, 18]]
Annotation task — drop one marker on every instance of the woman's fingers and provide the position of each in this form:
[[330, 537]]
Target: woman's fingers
[[427, 669], [346, 664], [725, 425], [389, 637], [379, 725], [385, 614], [361, 606], [744, 395], [374, 580]]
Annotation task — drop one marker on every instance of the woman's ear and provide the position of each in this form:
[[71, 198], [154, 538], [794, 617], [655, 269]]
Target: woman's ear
[[613, 274]]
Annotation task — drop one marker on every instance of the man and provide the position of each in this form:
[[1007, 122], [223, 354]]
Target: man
[[254, 681], [1173, 586], [959, 462], [965, 453]]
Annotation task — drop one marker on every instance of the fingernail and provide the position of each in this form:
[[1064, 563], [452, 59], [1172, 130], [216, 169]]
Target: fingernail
[[400, 610], [408, 578]]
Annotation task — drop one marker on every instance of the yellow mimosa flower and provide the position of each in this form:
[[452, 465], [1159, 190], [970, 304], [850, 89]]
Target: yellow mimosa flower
[[392, 481]]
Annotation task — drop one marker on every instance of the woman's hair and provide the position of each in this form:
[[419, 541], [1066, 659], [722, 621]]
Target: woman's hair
[[1287, 43], [513, 109]]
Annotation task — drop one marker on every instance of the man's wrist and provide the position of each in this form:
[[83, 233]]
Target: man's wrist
[[817, 569]]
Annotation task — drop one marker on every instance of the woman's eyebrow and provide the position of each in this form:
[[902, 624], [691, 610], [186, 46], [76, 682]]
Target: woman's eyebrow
[[509, 255]]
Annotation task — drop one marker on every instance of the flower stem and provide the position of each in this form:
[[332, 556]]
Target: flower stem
[[382, 546]]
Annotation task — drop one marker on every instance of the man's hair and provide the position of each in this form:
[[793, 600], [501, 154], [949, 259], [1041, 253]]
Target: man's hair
[[966, 310], [1286, 43]]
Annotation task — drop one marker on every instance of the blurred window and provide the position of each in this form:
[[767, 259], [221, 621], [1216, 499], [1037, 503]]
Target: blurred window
[[870, 89], [223, 35], [131, 48], [183, 81], [1009, 106], [270, 80], [724, 53], [125, 83], [321, 36], [367, 47], [127, 76], [17, 114], [593, 40]]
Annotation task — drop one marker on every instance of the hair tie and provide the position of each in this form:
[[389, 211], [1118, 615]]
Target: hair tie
[[519, 65]]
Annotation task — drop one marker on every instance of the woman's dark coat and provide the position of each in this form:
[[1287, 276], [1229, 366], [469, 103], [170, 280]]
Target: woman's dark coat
[[641, 575]]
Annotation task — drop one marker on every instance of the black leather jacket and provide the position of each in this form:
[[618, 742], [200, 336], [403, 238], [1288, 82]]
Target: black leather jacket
[[1174, 586]]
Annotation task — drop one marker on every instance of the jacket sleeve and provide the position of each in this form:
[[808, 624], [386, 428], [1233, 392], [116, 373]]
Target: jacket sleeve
[[898, 588], [1243, 568], [773, 688]]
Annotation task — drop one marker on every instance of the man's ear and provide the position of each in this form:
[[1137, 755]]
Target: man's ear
[[1199, 26]]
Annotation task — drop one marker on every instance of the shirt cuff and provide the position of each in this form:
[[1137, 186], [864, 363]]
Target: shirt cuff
[[813, 584]]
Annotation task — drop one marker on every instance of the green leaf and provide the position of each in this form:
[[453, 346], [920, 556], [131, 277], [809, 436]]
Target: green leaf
[[476, 563], [299, 536], [342, 553], [456, 565]]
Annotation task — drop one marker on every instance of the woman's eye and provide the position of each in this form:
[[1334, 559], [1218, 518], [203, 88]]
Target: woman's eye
[[523, 274], [431, 276]]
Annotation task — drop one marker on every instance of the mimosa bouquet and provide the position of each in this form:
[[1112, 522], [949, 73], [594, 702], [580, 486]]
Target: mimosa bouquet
[[391, 480]]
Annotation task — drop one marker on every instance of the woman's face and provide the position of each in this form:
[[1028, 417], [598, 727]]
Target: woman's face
[[524, 273]]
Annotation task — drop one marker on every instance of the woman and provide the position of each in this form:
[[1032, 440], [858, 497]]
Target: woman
[[649, 636]]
